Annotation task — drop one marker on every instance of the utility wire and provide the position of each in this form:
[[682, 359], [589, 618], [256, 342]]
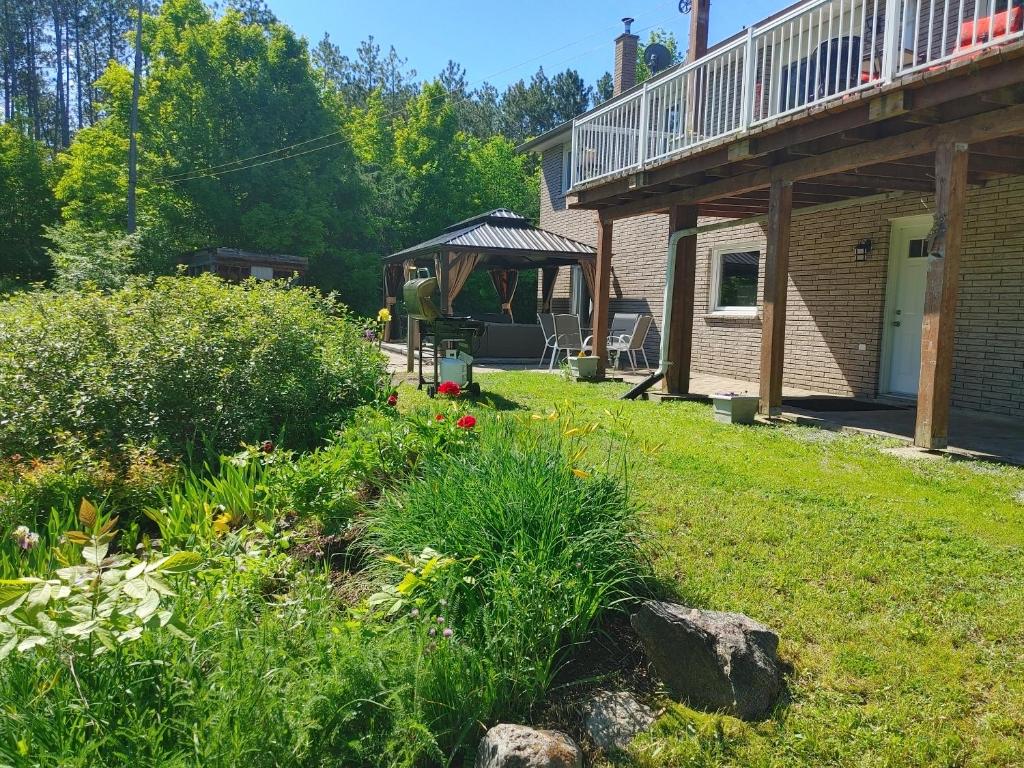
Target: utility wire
[[214, 172]]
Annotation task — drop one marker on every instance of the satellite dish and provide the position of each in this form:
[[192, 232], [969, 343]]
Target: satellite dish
[[657, 57]]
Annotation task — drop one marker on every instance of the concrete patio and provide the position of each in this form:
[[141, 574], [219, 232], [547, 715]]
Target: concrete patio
[[973, 435]]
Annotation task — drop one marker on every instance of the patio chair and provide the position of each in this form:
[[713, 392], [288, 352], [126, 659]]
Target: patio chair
[[568, 337], [547, 327], [632, 342]]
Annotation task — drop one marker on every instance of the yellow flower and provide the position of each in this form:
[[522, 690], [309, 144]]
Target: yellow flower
[[384, 315], [581, 473]]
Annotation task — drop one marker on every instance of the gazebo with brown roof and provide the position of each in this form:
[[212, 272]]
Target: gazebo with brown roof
[[502, 242]]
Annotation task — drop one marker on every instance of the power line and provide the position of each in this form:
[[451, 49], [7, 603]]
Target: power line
[[214, 172]]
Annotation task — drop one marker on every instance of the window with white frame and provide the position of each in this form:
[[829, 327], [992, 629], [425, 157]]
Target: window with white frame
[[734, 274], [566, 167]]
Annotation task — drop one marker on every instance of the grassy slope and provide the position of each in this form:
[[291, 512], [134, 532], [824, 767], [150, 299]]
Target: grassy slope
[[897, 586]]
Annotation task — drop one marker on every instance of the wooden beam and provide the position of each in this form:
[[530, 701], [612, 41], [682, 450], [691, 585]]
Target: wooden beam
[[990, 125], [700, 14], [940, 298], [776, 273], [680, 325], [871, 181], [602, 287]]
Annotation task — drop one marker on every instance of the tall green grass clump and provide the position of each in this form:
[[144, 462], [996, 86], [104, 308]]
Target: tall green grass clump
[[178, 361], [512, 553]]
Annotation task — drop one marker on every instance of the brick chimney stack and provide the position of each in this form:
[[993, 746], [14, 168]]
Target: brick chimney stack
[[625, 59]]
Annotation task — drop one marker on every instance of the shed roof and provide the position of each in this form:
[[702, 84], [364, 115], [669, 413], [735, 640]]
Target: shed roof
[[502, 238]]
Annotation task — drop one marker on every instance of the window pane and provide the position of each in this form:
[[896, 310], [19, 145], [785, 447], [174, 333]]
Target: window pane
[[738, 282]]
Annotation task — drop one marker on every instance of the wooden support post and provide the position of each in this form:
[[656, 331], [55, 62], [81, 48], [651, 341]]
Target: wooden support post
[[680, 326], [776, 274], [941, 288], [602, 287], [412, 326], [443, 264], [700, 14]]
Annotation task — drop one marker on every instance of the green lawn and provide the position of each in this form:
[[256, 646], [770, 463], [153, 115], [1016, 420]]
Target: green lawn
[[897, 586]]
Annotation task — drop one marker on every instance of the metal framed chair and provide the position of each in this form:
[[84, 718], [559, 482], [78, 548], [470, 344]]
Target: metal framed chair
[[568, 337], [632, 343], [547, 327]]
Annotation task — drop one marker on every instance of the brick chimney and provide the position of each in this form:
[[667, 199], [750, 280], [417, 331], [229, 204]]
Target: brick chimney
[[625, 60]]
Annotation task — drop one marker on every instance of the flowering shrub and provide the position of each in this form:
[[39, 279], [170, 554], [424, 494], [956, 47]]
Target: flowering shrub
[[179, 361], [466, 422]]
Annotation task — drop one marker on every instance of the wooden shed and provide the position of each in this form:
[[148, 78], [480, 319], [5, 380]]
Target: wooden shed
[[237, 265]]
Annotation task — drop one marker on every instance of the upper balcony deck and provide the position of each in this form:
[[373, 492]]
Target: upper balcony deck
[[817, 58]]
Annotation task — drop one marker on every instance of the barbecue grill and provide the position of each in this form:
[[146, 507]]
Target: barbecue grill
[[453, 341]]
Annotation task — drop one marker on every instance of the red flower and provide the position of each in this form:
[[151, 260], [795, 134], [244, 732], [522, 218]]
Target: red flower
[[393, 399], [267, 447], [449, 388], [438, 417], [466, 422]]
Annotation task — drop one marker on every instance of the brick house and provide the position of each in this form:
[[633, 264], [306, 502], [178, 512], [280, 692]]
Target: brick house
[[869, 301]]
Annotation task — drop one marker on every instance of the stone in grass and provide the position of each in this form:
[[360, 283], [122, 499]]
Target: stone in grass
[[519, 746], [717, 661], [613, 719]]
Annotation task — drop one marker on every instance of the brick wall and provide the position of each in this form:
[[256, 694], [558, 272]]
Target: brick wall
[[835, 303]]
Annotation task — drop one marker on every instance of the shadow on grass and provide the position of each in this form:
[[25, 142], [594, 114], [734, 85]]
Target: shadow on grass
[[498, 402]]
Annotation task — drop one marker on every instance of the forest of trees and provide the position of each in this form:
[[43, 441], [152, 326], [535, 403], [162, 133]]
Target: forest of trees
[[247, 138]]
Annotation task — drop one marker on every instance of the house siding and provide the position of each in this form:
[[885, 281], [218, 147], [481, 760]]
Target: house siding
[[835, 304]]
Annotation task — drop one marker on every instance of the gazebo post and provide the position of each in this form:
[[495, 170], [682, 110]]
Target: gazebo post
[[412, 326], [443, 261], [602, 287]]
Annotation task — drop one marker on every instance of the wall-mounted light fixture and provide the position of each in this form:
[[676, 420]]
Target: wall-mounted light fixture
[[863, 249]]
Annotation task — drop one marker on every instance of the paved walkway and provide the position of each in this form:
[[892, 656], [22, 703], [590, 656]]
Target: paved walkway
[[972, 434]]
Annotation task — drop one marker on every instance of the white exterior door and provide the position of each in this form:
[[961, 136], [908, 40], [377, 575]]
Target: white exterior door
[[908, 267]]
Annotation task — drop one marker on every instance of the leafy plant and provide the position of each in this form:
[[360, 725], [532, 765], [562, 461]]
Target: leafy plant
[[102, 602], [179, 361], [545, 548]]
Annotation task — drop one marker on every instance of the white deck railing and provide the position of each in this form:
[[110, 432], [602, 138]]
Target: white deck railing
[[820, 52]]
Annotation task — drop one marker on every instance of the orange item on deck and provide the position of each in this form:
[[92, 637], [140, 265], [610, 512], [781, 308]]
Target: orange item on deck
[[972, 32]]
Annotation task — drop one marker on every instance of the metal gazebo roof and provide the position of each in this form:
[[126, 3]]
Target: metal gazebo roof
[[503, 238]]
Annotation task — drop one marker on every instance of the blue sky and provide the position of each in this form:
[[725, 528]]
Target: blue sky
[[504, 41]]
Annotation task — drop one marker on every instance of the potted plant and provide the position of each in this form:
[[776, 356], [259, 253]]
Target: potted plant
[[583, 367], [733, 408]]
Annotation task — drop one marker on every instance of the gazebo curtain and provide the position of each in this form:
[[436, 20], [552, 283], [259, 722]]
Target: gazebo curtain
[[505, 281], [588, 268], [548, 277], [459, 267], [393, 274]]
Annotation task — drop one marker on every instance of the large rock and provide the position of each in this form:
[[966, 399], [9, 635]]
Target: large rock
[[517, 746], [718, 661], [613, 719]]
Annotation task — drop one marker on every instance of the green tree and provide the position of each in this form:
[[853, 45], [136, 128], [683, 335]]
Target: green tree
[[570, 95], [27, 204], [431, 152], [221, 99]]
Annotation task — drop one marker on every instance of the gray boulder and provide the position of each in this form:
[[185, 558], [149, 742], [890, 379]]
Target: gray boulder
[[613, 719], [518, 746], [717, 661]]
